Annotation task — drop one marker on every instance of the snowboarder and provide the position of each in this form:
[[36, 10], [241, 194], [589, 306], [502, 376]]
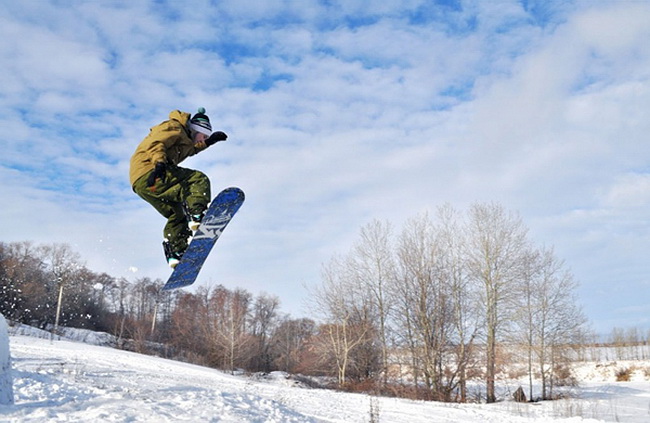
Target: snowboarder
[[181, 195]]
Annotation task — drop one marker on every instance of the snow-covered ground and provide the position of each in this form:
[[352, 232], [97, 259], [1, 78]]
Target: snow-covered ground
[[61, 380]]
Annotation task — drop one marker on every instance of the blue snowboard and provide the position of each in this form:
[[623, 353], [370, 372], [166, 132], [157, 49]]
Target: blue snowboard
[[219, 213]]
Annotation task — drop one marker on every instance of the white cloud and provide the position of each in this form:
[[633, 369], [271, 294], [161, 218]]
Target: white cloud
[[383, 109], [628, 191]]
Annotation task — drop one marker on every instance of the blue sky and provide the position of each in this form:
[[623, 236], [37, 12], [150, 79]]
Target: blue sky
[[338, 112]]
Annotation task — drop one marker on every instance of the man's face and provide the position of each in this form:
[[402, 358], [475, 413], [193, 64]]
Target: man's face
[[199, 139]]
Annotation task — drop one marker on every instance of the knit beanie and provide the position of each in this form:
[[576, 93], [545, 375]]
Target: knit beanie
[[200, 122]]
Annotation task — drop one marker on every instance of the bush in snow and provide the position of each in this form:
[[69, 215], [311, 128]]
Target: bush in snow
[[624, 374]]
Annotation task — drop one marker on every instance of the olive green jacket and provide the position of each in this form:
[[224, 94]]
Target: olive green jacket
[[169, 142]]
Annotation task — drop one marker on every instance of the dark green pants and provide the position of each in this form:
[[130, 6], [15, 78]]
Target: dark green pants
[[181, 186]]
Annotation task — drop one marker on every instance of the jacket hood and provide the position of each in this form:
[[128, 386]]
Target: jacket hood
[[180, 117]]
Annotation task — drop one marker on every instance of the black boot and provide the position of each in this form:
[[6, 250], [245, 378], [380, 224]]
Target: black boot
[[173, 257]]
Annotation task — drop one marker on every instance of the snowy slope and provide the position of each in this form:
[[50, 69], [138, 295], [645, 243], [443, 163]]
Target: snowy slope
[[74, 382]]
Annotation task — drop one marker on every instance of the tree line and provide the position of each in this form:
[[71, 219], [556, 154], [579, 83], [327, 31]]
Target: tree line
[[46, 285], [448, 299], [420, 312]]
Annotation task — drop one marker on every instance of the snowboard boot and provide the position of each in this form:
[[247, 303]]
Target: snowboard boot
[[173, 257], [193, 219]]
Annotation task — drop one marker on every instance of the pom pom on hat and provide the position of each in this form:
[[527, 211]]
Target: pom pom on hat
[[200, 122]]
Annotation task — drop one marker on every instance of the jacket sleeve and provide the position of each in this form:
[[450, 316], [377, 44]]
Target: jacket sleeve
[[164, 138]]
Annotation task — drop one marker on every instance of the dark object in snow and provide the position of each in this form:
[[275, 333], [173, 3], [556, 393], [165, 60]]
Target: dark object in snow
[[519, 395]]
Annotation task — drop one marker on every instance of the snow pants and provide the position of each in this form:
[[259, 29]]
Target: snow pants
[[182, 188]]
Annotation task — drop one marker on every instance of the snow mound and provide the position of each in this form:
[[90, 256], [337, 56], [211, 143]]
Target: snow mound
[[609, 371], [285, 379], [6, 379], [88, 337], [71, 334]]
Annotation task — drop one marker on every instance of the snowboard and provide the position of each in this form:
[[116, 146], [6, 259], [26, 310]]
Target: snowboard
[[217, 216]]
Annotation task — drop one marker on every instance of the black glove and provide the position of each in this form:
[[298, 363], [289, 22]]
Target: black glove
[[158, 173], [215, 138]]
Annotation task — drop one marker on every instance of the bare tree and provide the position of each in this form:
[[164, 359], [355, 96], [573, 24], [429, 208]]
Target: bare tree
[[264, 319], [64, 265], [141, 302], [526, 317], [24, 294], [463, 296], [103, 284], [374, 269], [345, 308], [435, 303], [228, 332], [190, 331], [423, 305], [497, 247], [289, 342], [118, 300], [559, 321]]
